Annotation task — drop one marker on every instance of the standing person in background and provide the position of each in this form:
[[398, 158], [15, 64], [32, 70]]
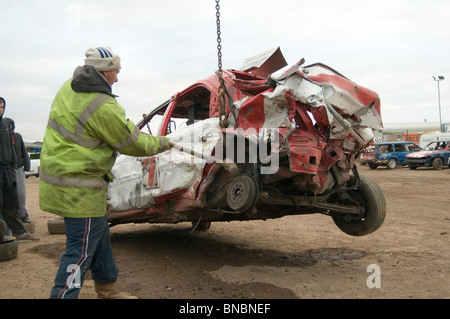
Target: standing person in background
[[86, 130], [8, 179], [23, 165]]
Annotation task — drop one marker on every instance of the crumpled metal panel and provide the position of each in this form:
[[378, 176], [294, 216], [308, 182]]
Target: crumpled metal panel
[[318, 85], [263, 111], [134, 186], [127, 190], [264, 63]]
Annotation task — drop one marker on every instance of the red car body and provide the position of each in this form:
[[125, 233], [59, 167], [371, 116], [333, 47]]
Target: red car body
[[310, 122]]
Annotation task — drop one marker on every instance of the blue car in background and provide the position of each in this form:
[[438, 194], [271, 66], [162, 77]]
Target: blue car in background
[[389, 154], [436, 155]]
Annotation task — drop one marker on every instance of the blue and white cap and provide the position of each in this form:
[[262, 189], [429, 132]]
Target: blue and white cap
[[102, 58]]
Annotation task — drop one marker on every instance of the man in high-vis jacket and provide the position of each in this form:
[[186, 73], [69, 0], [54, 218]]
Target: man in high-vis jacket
[[85, 131]]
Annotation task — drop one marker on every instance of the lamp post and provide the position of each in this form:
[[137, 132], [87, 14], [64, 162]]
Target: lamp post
[[438, 79]]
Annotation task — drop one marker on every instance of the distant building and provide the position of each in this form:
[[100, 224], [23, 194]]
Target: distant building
[[410, 131]]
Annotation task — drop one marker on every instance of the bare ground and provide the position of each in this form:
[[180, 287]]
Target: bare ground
[[288, 258]]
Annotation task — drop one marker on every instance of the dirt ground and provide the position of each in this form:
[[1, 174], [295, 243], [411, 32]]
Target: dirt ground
[[292, 257]]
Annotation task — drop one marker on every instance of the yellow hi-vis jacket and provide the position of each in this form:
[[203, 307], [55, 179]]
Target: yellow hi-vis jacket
[[84, 133]]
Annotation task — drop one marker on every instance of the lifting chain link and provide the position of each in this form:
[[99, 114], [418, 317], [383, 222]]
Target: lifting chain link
[[221, 92]]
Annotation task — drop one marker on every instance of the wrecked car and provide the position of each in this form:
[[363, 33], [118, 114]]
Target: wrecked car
[[436, 154], [389, 154], [283, 141]]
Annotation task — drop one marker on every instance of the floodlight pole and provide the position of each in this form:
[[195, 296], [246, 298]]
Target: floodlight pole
[[438, 79]]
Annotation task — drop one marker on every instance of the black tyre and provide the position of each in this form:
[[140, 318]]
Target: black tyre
[[8, 248], [412, 167], [437, 163], [373, 166], [56, 225], [370, 196], [391, 163]]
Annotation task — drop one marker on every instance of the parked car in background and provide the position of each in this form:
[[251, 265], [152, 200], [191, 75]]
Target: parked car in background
[[389, 154], [35, 165], [436, 154], [427, 138], [362, 156]]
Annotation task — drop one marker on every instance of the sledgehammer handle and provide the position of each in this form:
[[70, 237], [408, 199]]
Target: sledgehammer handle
[[191, 151], [231, 167]]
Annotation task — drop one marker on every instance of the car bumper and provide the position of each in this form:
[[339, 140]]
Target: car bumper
[[32, 173], [377, 162], [419, 162]]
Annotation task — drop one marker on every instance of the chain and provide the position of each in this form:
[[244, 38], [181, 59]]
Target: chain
[[219, 39], [221, 91]]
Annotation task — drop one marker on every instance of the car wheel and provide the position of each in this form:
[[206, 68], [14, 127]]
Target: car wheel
[[242, 193], [437, 163], [391, 163], [373, 166], [56, 225], [8, 248], [370, 196], [411, 166]]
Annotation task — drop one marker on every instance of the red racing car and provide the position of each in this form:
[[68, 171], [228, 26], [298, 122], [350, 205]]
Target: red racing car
[[281, 140]]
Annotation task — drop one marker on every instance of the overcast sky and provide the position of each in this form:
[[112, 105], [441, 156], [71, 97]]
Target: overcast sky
[[393, 47]]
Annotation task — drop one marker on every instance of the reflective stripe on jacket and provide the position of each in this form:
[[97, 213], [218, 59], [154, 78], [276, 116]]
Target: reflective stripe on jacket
[[84, 133]]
